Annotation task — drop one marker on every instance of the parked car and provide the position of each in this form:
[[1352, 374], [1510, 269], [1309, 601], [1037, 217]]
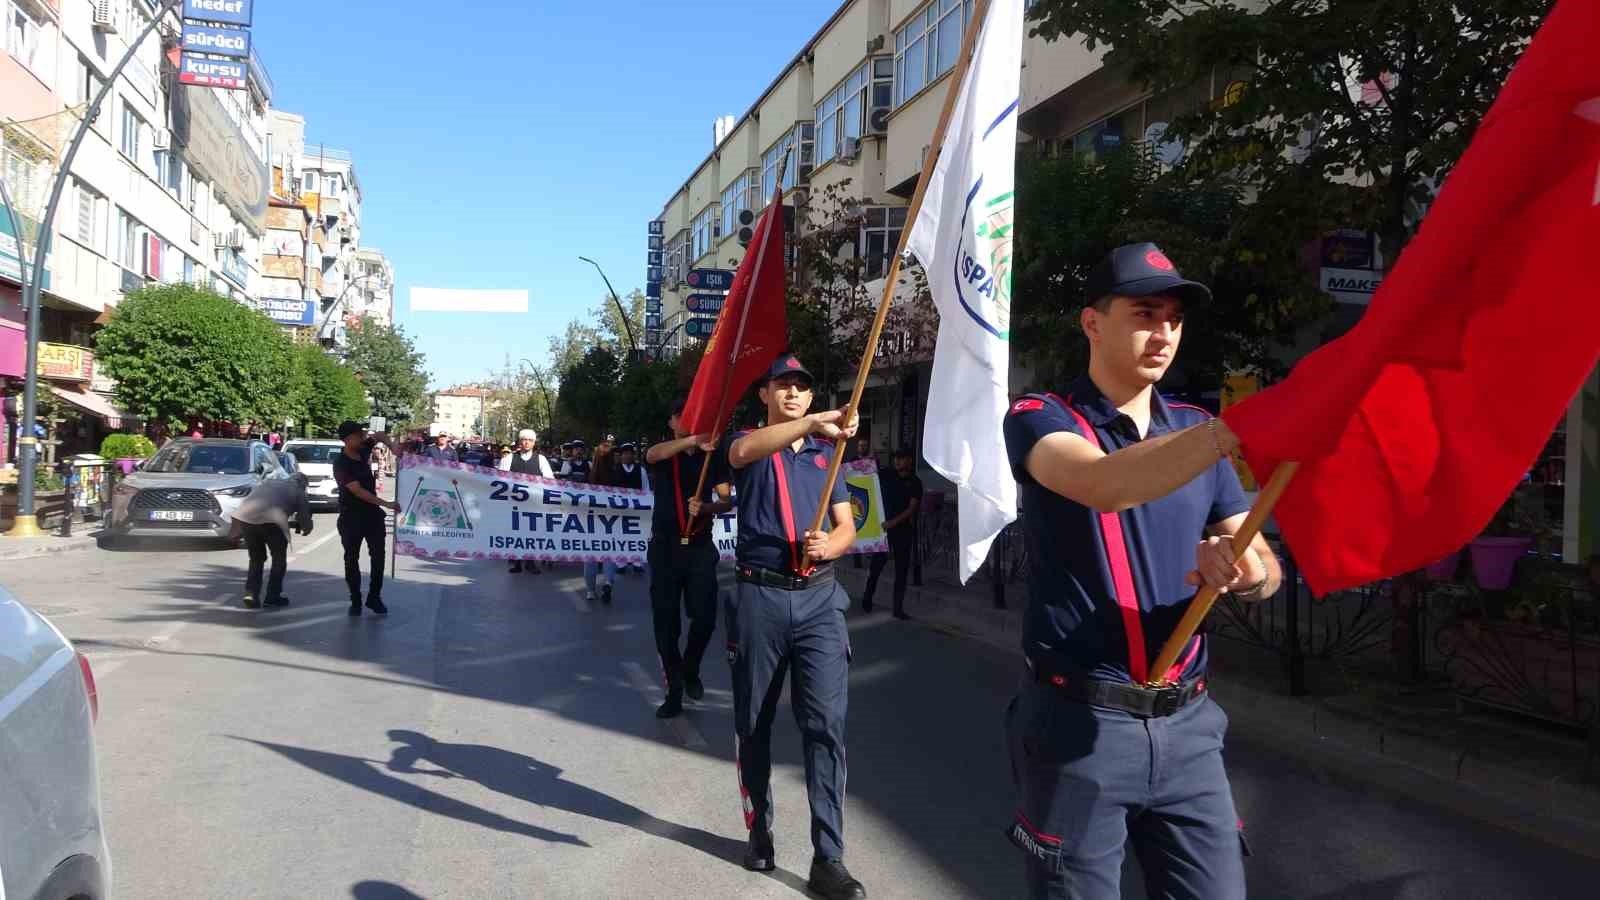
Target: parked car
[[315, 460], [52, 839], [190, 488]]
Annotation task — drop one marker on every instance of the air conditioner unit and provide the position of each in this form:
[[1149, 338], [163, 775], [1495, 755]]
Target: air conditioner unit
[[236, 239], [876, 44], [851, 151], [105, 16], [220, 239], [161, 138], [878, 121]]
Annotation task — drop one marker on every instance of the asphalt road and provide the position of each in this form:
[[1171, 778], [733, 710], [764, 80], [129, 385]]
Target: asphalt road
[[494, 737]]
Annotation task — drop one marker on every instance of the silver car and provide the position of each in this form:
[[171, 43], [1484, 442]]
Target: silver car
[[190, 489], [52, 841]]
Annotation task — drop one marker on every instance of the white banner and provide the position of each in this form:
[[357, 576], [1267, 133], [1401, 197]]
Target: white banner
[[456, 511]]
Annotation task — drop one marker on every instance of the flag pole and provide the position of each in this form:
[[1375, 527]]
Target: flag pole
[[1203, 601], [968, 42], [738, 340]]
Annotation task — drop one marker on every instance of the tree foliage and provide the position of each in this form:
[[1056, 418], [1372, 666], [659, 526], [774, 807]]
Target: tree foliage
[[325, 392], [180, 352], [390, 369], [587, 393], [1381, 94]]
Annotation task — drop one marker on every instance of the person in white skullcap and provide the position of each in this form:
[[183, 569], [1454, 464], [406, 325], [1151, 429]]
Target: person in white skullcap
[[528, 460]]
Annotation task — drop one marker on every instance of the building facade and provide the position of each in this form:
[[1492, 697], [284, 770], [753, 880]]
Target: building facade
[[169, 185], [460, 411], [372, 293]]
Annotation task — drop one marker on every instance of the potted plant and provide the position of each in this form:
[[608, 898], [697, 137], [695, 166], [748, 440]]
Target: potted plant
[[127, 449], [1507, 539]]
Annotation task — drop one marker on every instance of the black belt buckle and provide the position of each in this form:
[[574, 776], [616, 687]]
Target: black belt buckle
[[1166, 701]]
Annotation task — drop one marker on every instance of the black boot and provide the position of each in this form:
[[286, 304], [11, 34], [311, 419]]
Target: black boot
[[516, 567], [694, 687], [832, 880], [672, 706], [759, 855], [355, 606]]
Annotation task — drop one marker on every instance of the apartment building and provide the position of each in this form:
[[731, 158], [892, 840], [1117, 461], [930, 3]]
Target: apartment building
[[460, 411], [170, 184], [372, 296], [323, 178]]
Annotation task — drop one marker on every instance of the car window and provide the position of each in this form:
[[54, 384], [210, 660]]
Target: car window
[[201, 459], [314, 453], [286, 462]]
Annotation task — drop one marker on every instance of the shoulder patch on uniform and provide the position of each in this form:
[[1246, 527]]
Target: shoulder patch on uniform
[[1027, 404], [820, 461]]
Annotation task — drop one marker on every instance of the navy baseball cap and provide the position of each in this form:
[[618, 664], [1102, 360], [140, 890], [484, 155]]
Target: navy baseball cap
[[1142, 270], [349, 427], [788, 364]]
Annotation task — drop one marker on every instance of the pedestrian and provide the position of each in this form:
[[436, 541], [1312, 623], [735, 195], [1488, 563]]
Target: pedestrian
[[361, 518], [441, 450], [902, 496], [789, 612], [683, 556], [1132, 502], [528, 461], [578, 464], [262, 521], [630, 474], [600, 471]]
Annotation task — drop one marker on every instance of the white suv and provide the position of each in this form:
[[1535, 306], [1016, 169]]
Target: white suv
[[316, 463]]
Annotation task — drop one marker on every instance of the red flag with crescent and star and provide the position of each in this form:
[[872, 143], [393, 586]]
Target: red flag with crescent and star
[[1413, 428], [751, 330]]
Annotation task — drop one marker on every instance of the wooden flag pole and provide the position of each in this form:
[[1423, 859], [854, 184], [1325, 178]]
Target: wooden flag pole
[[1203, 601], [738, 340], [968, 42]]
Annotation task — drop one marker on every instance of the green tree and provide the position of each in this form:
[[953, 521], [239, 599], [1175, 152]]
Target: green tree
[[390, 369], [325, 392], [587, 394], [643, 400], [180, 352], [567, 349], [608, 322], [1379, 94]]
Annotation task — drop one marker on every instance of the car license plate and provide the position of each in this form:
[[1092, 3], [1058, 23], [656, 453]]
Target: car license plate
[[173, 515]]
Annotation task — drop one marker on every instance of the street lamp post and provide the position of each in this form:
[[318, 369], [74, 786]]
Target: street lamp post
[[340, 300], [26, 523], [632, 344]]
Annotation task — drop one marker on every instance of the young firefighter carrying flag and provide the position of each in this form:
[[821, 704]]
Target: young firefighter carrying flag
[[1131, 502]]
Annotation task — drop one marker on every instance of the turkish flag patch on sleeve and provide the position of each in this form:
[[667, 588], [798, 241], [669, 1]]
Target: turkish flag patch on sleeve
[[1027, 404]]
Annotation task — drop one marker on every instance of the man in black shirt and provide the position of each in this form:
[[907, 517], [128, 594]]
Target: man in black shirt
[[683, 571], [361, 517], [441, 450], [902, 496]]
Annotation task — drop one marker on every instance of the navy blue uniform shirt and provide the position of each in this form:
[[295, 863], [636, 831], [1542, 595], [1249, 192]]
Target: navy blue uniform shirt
[[764, 538], [673, 481], [1076, 618]]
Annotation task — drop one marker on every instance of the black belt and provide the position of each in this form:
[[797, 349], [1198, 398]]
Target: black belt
[[1146, 703], [783, 580]]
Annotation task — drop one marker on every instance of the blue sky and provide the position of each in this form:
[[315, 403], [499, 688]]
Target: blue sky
[[496, 140]]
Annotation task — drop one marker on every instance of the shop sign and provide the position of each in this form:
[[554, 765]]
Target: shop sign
[[65, 362]]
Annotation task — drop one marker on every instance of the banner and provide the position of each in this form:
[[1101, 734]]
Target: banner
[[456, 511]]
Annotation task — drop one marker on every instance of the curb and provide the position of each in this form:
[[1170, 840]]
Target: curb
[[33, 548], [1561, 810]]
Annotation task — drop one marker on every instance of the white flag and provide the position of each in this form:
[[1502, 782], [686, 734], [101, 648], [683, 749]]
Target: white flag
[[963, 236]]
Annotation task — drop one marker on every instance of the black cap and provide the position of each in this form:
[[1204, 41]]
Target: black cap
[[788, 364], [629, 447], [578, 445], [349, 427], [1142, 270]]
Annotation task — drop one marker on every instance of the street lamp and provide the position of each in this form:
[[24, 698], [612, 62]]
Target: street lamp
[[668, 336], [340, 300], [632, 344], [26, 522]]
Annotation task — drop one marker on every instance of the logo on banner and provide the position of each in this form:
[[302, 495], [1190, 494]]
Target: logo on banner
[[438, 510], [860, 504]]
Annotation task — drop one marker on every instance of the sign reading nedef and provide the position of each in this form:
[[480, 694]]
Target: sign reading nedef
[[228, 12]]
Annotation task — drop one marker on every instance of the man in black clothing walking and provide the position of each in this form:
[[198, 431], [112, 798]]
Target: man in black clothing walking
[[683, 558], [361, 518], [902, 496]]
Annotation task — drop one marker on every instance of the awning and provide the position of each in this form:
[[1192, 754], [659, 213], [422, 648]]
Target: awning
[[97, 406]]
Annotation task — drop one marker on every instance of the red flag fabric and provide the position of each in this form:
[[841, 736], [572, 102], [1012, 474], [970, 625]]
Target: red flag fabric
[[1415, 426], [753, 321]]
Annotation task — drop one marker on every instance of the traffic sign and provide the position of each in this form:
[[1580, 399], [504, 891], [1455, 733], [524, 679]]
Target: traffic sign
[[710, 279], [699, 327], [704, 303]]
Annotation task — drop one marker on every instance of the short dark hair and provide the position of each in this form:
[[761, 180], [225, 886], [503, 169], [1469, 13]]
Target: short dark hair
[[903, 453]]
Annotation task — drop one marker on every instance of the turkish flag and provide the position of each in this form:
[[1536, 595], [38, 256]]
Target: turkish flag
[[1413, 428], [751, 330]]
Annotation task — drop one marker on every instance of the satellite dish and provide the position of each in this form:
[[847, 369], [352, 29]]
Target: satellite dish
[[1166, 152]]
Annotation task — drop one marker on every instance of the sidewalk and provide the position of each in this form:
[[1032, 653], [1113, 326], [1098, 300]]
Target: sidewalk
[[84, 537], [1492, 767]]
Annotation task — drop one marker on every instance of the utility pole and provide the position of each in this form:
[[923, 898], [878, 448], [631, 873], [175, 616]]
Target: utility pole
[[633, 346], [27, 521]]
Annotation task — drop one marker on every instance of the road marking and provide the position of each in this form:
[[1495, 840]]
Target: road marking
[[552, 650], [302, 623], [687, 734], [314, 545]]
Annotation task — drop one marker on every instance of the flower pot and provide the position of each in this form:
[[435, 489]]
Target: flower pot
[[127, 464], [1444, 569], [1495, 558]]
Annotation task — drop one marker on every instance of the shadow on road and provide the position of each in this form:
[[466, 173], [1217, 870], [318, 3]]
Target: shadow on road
[[381, 890]]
